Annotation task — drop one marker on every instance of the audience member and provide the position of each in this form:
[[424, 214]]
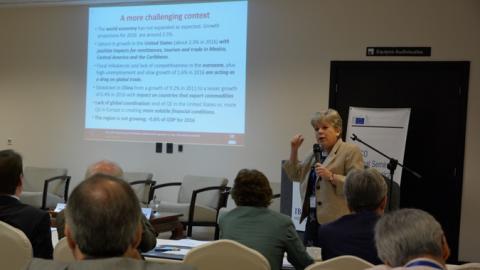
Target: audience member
[[104, 167], [35, 223], [149, 236], [411, 239], [254, 225], [103, 228], [353, 234]]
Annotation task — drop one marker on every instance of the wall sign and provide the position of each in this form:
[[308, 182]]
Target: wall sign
[[399, 51]]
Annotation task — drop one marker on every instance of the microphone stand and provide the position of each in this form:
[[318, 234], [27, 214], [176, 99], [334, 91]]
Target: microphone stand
[[392, 165]]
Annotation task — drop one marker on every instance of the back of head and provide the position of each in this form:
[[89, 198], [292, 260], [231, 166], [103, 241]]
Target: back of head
[[103, 214], [364, 189], [251, 188], [11, 169], [406, 234], [106, 167]]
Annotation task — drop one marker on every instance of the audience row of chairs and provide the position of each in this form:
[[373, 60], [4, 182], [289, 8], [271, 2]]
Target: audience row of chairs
[[220, 254], [199, 198], [198, 210]]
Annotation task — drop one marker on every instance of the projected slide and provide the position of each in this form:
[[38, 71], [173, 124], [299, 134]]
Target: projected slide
[[167, 73]]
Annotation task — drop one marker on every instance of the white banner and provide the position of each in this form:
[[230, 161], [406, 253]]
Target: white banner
[[384, 129], [297, 207]]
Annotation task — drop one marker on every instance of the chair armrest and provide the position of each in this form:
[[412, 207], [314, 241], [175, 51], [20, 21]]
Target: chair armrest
[[222, 201], [154, 187], [194, 198], [149, 183], [66, 178], [146, 182]]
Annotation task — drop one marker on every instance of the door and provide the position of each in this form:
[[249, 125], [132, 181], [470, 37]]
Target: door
[[436, 92]]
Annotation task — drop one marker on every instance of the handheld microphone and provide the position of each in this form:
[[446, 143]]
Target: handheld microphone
[[317, 152]]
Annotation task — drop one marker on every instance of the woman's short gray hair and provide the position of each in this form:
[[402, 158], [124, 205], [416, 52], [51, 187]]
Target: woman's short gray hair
[[329, 116], [364, 189], [406, 234]]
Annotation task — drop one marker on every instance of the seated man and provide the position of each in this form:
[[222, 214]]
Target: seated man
[[149, 235], [254, 225], [35, 223], [103, 228], [353, 234], [411, 239]]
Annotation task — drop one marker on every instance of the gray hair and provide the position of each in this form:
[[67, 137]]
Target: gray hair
[[104, 167], [329, 116], [103, 213], [364, 189], [405, 234]]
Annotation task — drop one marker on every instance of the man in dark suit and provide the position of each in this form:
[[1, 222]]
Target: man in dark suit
[[103, 228], [35, 223], [353, 234]]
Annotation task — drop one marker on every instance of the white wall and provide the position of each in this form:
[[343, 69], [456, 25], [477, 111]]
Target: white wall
[[290, 46]]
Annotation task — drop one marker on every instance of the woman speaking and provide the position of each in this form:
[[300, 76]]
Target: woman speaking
[[322, 173]]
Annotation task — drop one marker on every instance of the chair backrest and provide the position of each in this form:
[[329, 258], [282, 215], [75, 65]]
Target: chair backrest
[[192, 182], [341, 263], [62, 251], [34, 179], [226, 254], [466, 266], [142, 191], [134, 176], [15, 248], [275, 204]]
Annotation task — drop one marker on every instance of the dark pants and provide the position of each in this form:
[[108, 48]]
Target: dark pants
[[311, 231]]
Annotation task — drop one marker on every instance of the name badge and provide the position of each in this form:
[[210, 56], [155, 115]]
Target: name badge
[[313, 202]]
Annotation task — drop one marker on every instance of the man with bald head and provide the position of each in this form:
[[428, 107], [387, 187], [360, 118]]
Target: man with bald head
[[106, 167], [103, 228]]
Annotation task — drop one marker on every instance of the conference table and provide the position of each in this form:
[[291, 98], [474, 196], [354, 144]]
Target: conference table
[[173, 251], [164, 222]]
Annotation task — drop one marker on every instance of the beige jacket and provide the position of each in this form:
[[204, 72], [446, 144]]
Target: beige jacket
[[331, 201]]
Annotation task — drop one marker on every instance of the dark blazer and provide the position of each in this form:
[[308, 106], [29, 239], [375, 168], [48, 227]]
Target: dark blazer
[[35, 223], [351, 234]]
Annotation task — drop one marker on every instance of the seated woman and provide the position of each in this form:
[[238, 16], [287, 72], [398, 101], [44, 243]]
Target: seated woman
[[254, 225]]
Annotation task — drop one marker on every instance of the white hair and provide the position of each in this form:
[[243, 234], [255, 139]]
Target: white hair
[[405, 234], [364, 189]]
